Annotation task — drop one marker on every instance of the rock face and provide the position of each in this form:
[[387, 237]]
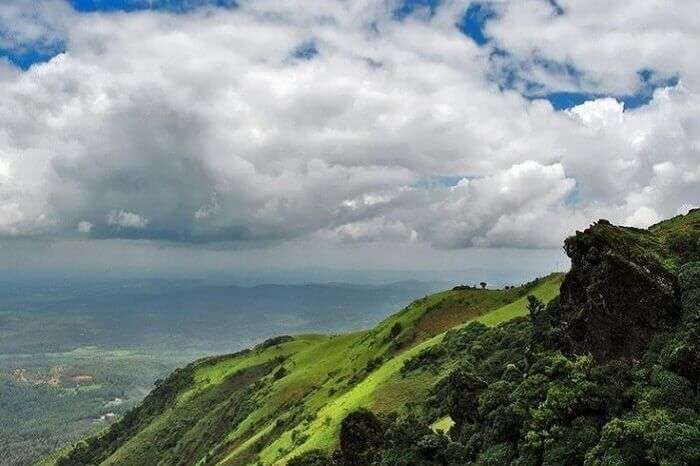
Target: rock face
[[618, 294]]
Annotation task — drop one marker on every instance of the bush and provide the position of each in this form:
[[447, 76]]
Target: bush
[[311, 458], [373, 364], [361, 438], [395, 330]]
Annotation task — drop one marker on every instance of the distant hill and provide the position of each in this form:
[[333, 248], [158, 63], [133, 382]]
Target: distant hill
[[598, 367], [166, 314]]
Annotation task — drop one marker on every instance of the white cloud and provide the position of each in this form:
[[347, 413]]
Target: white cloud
[[642, 218], [34, 24], [11, 218], [600, 113], [200, 127], [507, 208], [124, 219], [376, 229], [85, 227], [608, 42]]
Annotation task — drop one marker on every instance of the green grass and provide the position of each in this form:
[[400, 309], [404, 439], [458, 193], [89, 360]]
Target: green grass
[[547, 290], [323, 434], [444, 424], [325, 378]]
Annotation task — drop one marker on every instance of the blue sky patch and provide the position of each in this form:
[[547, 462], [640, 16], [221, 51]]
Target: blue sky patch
[[649, 83], [408, 7], [26, 57], [473, 23], [565, 100], [511, 74], [134, 5]]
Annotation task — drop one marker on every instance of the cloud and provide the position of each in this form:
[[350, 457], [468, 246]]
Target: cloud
[[507, 208], [35, 24], [607, 42], [203, 127], [85, 227], [376, 229], [125, 220]]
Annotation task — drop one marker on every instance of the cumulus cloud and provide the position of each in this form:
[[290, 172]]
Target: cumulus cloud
[[507, 208], [207, 126], [126, 220]]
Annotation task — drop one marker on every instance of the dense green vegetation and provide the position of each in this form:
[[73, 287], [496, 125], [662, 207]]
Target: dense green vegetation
[[600, 367], [51, 400]]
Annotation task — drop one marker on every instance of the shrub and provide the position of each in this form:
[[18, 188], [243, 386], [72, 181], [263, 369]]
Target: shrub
[[361, 438], [311, 458], [395, 330]]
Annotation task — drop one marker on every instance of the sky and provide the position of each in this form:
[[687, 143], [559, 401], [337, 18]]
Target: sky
[[415, 135]]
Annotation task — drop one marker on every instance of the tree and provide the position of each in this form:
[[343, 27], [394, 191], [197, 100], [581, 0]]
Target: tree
[[361, 437], [483, 285], [311, 458]]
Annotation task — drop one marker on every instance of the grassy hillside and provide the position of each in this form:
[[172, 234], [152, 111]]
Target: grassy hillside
[[289, 395]]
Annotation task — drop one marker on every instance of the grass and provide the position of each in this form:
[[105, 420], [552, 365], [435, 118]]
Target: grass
[[444, 424], [324, 378], [547, 290], [384, 388]]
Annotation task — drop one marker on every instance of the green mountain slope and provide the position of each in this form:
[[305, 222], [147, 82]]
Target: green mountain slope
[[289, 394], [598, 367]]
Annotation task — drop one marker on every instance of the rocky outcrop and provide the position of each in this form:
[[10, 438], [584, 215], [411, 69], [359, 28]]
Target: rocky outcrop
[[618, 294]]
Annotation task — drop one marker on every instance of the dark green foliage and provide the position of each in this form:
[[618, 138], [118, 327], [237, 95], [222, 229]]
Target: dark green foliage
[[274, 341], [395, 330], [361, 438], [687, 246], [279, 373], [459, 393], [373, 364], [689, 281], [682, 350], [541, 322], [648, 438], [311, 458], [526, 392], [462, 287], [453, 344], [552, 410], [410, 442]]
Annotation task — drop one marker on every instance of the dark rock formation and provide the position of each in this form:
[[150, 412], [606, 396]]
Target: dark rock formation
[[618, 294]]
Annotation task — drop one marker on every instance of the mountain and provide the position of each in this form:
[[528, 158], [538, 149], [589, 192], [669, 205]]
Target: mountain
[[598, 367]]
